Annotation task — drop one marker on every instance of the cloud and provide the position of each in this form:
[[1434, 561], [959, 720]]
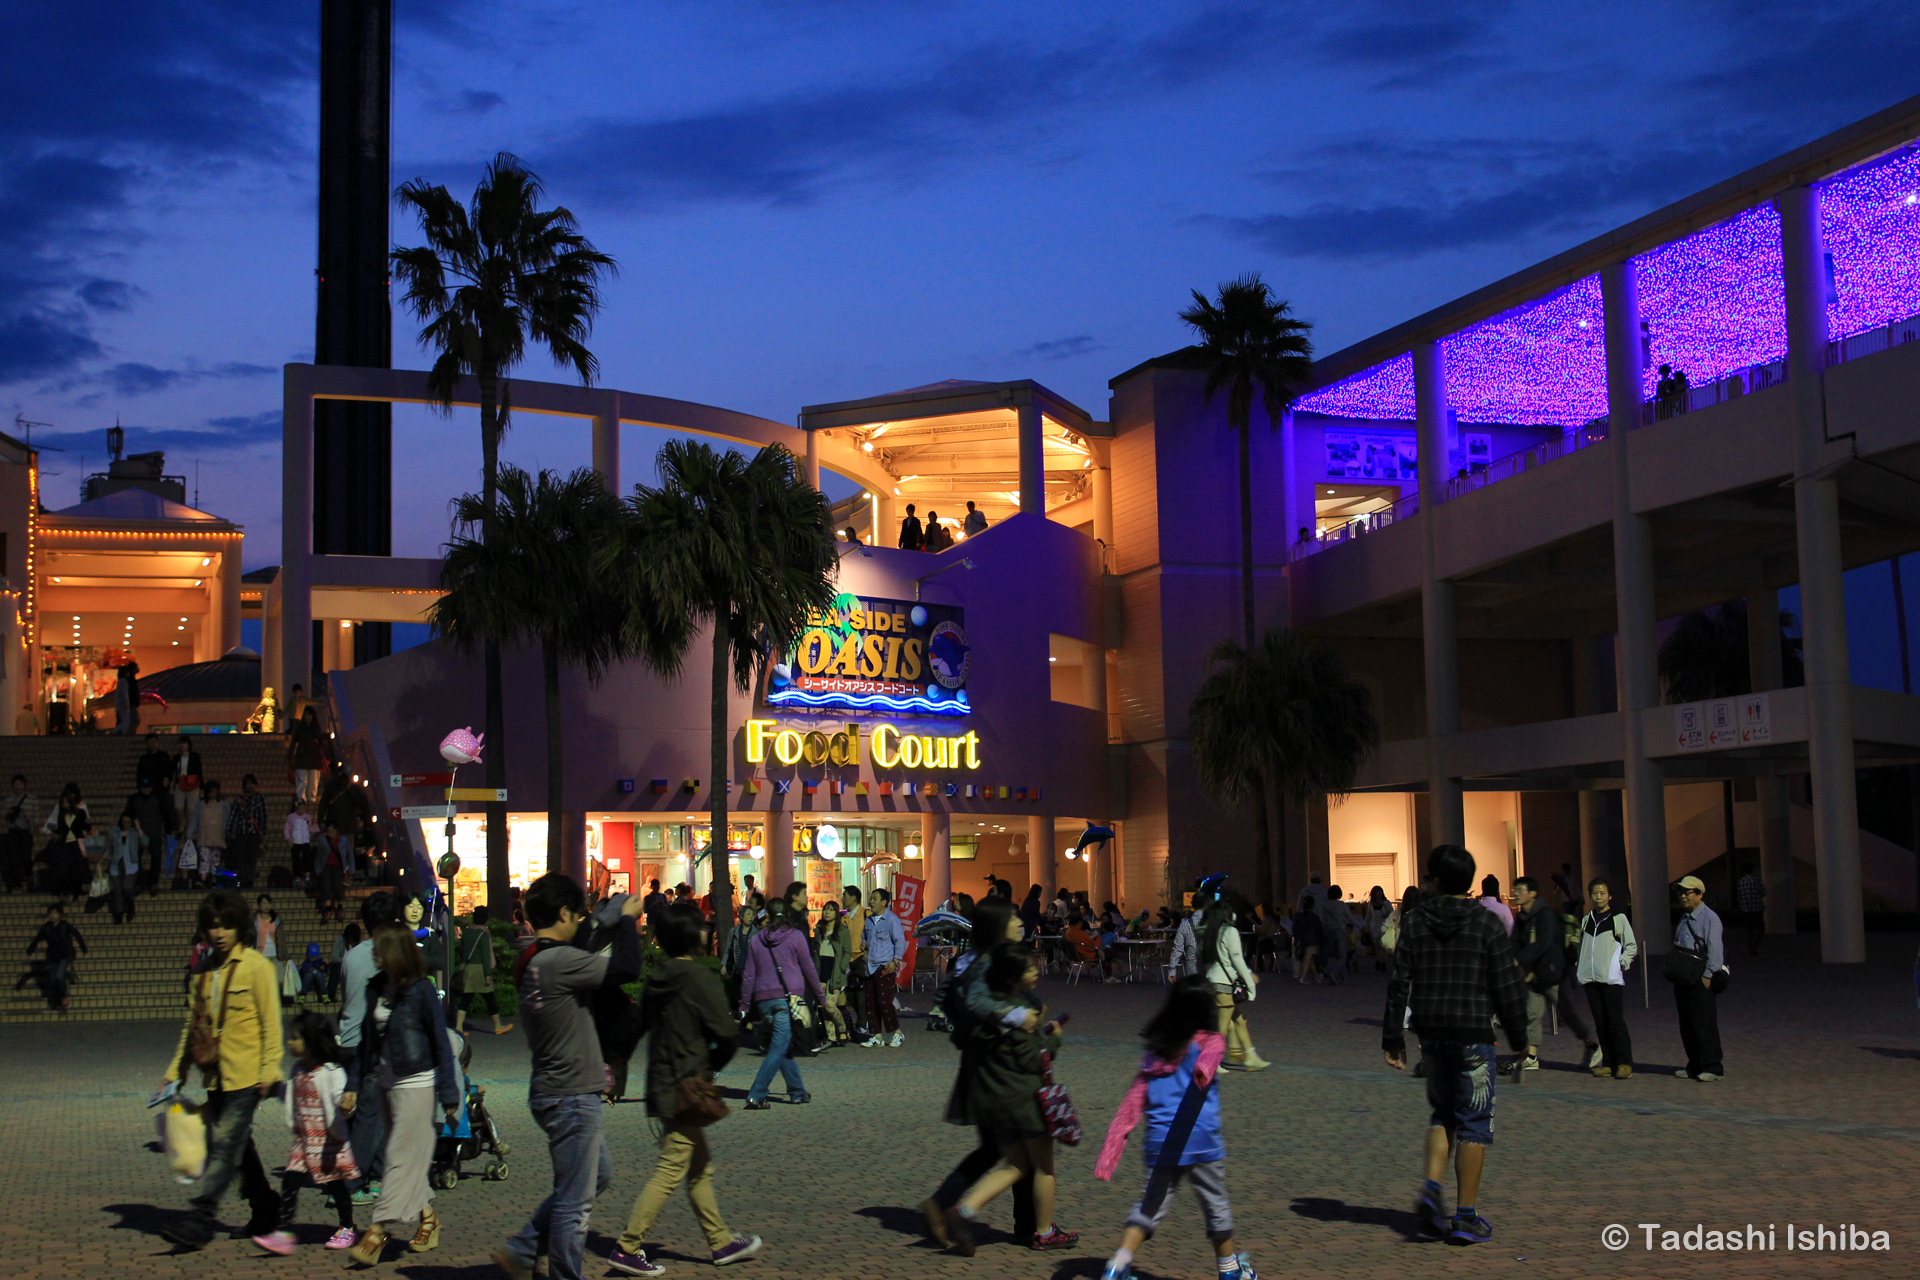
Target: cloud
[[479, 101], [1080, 344], [101, 112], [1455, 193], [141, 379], [220, 437]]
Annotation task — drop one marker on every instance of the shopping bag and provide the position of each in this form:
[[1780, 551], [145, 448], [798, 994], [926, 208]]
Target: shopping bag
[[184, 1135]]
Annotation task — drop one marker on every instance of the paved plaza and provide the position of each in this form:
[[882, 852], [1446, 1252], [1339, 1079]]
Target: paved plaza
[[1818, 1121]]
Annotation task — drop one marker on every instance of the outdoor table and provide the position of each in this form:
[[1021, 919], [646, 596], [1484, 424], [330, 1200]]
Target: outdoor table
[[1134, 948]]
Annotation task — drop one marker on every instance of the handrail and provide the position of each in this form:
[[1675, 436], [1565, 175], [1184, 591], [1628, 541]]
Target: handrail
[[1740, 382]]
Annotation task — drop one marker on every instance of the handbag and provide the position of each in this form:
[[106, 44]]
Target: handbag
[[473, 974], [697, 1102], [203, 1033], [1056, 1108], [800, 1033]]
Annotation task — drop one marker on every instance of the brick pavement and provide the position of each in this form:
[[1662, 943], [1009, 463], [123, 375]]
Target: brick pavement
[[1819, 1121]]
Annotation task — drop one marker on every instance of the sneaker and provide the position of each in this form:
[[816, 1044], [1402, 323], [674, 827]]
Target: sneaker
[[1054, 1239], [367, 1194], [282, 1242], [341, 1239], [872, 1042], [898, 1039], [1117, 1271], [1473, 1230], [510, 1266], [1682, 1074], [738, 1250], [1255, 1062], [1602, 1072], [1528, 1063], [799, 1098], [1623, 1073], [761, 1105], [1242, 1270], [1707, 1077], [959, 1233], [255, 1228], [634, 1264], [1433, 1218]]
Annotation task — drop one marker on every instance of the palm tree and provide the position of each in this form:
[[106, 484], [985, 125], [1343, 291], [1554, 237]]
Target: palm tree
[[490, 278], [1283, 712], [1253, 339], [744, 545], [533, 581]]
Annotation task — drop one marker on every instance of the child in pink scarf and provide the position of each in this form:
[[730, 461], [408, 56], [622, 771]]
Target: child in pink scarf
[[1177, 1094]]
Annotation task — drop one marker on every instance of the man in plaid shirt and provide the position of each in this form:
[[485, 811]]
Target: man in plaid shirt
[[1453, 970], [1750, 895], [246, 827]]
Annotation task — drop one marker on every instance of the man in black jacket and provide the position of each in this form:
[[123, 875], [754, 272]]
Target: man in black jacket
[[1539, 951], [1454, 969], [153, 814]]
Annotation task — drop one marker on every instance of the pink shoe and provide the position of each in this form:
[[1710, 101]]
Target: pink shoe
[[341, 1239], [280, 1242]]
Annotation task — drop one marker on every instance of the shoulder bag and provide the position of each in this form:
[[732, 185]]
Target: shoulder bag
[[1056, 1108], [1686, 967], [473, 974], [697, 1102], [799, 1015]]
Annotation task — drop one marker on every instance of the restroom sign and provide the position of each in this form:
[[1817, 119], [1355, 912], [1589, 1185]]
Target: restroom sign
[[1756, 719]]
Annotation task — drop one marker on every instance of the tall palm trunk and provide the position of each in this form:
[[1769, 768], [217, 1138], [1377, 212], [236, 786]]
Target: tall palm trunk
[[556, 773], [1246, 531], [717, 860], [499, 885]]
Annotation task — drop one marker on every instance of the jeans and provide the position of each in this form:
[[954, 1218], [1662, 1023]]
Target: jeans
[[367, 1130], [19, 860], [684, 1157], [970, 1171], [243, 855], [59, 972], [776, 1015], [229, 1117], [125, 887], [582, 1170]]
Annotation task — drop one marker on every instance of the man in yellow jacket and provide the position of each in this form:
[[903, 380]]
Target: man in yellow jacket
[[236, 999]]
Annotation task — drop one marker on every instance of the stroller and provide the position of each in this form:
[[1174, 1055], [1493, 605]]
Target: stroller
[[470, 1136], [943, 929]]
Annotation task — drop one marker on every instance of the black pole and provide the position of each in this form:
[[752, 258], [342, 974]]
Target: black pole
[[1906, 686]]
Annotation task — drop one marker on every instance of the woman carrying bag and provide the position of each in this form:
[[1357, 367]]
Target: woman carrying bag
[[1225, 967], [404, 1036], [775, 966]]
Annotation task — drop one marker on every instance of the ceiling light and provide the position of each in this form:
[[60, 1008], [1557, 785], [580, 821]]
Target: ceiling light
[[867, 446], [205, 561], [129, 617], [198, 581], [1051, 658], [56, 579]]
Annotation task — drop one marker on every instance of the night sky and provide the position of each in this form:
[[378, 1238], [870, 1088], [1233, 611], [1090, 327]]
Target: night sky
[[820, 201]]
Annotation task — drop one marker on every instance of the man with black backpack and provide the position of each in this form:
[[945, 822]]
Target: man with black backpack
[[1540, 951]]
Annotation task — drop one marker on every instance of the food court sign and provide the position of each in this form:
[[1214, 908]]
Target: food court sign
[[868, 654]]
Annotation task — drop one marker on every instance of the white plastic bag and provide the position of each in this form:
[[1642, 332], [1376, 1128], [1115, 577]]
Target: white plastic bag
[[184, 1134], [188, 858]]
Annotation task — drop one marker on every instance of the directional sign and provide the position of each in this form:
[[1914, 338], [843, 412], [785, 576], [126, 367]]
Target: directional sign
[[477, 793], [420, 780], [408, 812]]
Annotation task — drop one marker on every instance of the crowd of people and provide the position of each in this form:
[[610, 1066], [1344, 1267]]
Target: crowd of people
[[367, 1098], [933, 533]]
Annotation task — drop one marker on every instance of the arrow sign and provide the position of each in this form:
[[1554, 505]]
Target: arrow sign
[[408, 812], [482, 794], [420, 780]]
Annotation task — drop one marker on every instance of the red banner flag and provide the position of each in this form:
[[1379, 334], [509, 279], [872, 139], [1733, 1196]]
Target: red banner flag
[[908, 892]]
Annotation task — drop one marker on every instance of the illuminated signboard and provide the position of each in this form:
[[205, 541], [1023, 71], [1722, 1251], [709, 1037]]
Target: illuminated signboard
[[891, 748], [867, 654]]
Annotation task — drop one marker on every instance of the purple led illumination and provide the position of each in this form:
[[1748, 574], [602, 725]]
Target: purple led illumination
[[1712, 302]]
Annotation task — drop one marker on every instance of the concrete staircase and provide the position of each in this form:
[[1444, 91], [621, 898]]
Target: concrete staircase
[[134, 971]]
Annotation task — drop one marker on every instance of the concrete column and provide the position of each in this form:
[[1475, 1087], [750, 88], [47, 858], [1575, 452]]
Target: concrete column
[[1103, 515], [269, 636], [1100, 886], [1033, 475], [1636, 653], [936, 861], [1290, 520], [606, 442], [1776, 839], [296, 526], [1438, 628], [778, 844], [887, 532], [229, 565], [1039, 858], [1593, 839], [1823, 606], [810, 461]]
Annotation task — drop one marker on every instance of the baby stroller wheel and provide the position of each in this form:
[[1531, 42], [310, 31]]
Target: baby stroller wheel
[[496, 1171], [447, 1179]]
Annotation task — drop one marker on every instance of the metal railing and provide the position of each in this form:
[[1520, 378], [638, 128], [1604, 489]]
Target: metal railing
[[1741, 382]]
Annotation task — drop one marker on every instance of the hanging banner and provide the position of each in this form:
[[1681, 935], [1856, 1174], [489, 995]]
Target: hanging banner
[[908, 904]]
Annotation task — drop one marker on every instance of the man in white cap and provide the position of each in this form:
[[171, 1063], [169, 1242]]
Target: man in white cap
[[1699, 931]]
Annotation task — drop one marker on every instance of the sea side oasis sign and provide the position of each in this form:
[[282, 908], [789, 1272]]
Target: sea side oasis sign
[[866, 654]]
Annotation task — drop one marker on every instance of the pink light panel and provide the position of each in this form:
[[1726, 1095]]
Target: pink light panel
[[1712, 302]]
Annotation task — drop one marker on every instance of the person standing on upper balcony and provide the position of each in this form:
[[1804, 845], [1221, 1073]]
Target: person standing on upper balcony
[[911, 538], [976, 522]]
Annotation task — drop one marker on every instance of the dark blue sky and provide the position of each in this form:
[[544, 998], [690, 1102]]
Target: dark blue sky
[[817, 201]]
